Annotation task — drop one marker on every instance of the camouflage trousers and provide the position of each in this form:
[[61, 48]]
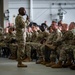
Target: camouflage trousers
[[13, 50], [21, 51], [47, 53], [2, 44], [74, 53], [73, 47], [28, 50], [66, 54], [41, 49], [30, 46]]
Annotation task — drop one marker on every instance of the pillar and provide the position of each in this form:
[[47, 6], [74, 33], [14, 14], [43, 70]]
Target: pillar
[[1, 14], [31, 10]]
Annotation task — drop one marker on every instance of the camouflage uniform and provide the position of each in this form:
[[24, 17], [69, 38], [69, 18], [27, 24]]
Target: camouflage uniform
[[68, 36], [55, 39], [28, 36], [10, 41], [35, 44], [2, 43], [73, 41], [34, 36], [53, 42], [20, 25], [44, 50], [30, 44], [66, 51]]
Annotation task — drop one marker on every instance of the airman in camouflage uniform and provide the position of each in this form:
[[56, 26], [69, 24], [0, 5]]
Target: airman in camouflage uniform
[[32, 42], [73, 42], [28, 34], [12, 43], [2, 43], [66, 52], [20, 25], [38, 35], [51, 43], [27, 46], [32, 37], [45, 49], [54, 42]]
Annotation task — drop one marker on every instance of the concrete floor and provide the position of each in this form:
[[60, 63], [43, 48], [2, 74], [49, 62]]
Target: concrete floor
[[9, 67]]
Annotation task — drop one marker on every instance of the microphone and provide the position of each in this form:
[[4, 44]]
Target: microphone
[[26, 14]]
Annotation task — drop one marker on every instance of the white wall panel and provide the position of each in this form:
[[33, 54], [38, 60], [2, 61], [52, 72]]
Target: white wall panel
[[43, 8]]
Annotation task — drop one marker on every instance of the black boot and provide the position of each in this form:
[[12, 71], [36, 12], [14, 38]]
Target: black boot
[[72, 67]]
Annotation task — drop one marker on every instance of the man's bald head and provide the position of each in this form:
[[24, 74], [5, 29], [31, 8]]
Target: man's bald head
[[22, 11]]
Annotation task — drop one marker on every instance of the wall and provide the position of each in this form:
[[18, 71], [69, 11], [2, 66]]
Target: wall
[[44, 9], [1, 14]]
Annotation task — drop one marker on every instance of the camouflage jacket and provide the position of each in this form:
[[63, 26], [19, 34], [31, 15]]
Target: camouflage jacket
[[20, 26]]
